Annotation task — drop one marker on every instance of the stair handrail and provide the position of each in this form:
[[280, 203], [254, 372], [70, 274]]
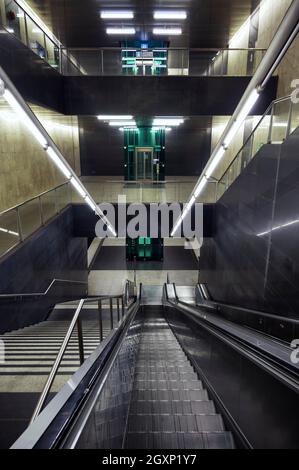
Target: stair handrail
[[77, 321], [42, 294]]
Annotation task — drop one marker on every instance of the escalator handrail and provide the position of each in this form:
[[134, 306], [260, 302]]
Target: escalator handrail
[[216, 304], [271, 363]]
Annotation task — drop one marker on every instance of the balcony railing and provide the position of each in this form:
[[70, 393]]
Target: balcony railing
[[19, 222], [161, 61], [279, 121], [125, 61]]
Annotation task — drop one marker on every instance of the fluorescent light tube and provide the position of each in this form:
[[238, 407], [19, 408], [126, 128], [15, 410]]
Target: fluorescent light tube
[[214, 163], [115, 15], [124, 31], [90, 203], [167, 31], [200, 187], [11, 100], [190, 203], [116, 118], [78, 187], [58, 162], [122, 123], [170, 15], [241, 117], [167, 122]]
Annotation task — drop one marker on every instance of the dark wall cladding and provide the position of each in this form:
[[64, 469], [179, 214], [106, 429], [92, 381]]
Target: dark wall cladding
[[101, 148], [253, 258], [161, 96], [52, 252]]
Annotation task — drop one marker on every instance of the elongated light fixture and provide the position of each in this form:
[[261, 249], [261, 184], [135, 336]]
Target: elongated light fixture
[[167, 31], [121, 31], [115, 118], [117, 15], [78, 187], [58, 162], [241, 117], [168, 122], [226, 139], [25, 119], [17, 103], [122, 123], [170, 15]]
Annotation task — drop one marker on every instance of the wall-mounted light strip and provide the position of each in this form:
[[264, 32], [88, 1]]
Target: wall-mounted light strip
[[78, 187], [58, 162], [117, 15], [227, 137], [23, 116], [167, 31], [28, 118], [170, 15]]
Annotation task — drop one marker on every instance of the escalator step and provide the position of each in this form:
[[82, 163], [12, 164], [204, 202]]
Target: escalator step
[[175, 423], [222, 440], [172, 407], [168, 385], [169, 395], [150, 375]]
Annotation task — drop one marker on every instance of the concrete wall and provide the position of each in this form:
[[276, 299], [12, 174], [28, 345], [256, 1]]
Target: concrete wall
[[25, 169]]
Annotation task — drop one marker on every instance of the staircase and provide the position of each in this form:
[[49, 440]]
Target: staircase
[[29, 356]]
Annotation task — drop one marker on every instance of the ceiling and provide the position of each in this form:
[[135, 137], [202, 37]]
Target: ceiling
[[210, 23]]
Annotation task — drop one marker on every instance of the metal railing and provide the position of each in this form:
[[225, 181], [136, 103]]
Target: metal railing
[[20, 221], [119, 301], [125, 61], [279, 121], [161, 61], [41, 294]]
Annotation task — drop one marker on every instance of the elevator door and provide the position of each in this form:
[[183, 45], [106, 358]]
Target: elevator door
[[144, 163]]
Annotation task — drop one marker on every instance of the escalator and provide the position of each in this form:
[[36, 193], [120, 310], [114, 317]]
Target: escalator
[[174, 376], [169, 409], [165, 405]]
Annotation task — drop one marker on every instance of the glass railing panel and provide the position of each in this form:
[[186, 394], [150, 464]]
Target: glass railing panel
[[30, 217], [280, 121], [15, 20], [111, 63], [294, 117], [178, 62], [245, 154], [67, 66], [48, 205], [192, 62], [9, 231], [52, 53], [36, 38], [261, 135], [62, 197], [237, 63]]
